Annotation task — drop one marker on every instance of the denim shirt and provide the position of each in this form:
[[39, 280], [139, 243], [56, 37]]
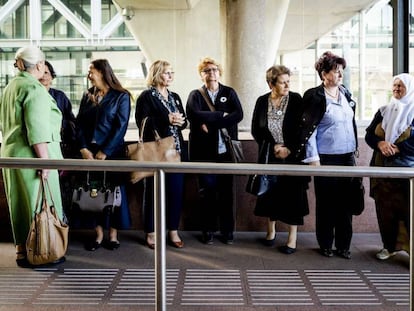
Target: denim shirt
[[335, 133]]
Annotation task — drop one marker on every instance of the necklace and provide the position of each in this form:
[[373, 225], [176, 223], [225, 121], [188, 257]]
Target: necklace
[[330, 94], [277, 105]]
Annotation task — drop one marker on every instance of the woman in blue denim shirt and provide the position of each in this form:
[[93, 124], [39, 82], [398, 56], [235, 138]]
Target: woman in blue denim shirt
[[390, 135]]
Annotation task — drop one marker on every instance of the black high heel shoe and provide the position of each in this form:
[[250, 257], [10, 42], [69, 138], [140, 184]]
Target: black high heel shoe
[[112, 245], [287, 250], [93, 246], [270, 243]]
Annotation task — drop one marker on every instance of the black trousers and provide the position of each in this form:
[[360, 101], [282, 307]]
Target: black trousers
[[216, 201], [333, 213]]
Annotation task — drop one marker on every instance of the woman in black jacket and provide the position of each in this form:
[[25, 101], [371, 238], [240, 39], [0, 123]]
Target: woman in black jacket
[[328, 136], [207, 145], [275, 128], [165, 114]]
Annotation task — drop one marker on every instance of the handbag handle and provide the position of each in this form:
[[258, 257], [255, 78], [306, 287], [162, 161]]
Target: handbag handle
[[104, 179], [41, 195], [267, 144], [141, 131]]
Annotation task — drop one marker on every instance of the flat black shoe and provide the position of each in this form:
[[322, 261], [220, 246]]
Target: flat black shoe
[[56, 262], [327, 252], [344, 253], [23, 263], [59, 261], [93, 246], [112, 245], [52, 264], [228, 238], [287, 250], [208, 237]]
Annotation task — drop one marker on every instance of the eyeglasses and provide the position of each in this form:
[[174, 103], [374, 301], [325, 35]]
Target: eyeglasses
[[169, 73], [209, 70]]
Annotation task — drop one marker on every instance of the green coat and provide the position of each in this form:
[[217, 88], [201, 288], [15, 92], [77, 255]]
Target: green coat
[[28, 116]]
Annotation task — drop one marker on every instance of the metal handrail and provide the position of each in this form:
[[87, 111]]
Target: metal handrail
[[206, 167], [160, 168]]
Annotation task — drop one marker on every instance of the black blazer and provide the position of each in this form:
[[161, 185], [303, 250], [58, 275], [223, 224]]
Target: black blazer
[[260, 130], [204, 146]]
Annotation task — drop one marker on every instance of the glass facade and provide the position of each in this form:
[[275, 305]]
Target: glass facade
[[367, 49], [71, 60], [369, 66]]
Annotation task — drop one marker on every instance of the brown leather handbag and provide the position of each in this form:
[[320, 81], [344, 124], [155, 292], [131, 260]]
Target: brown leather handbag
[[160, 150], [47, 240]]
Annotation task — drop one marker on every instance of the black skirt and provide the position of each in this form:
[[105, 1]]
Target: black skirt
[[287, 201]]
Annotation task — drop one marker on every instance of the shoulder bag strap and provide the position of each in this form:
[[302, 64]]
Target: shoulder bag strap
[[211, 106], [207, 99]]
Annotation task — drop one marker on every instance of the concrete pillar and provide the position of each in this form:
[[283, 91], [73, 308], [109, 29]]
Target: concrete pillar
[[253, 35], [182, 37]]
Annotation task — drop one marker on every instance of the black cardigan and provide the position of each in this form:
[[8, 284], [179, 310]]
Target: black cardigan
[[149, 106], [204, 146], [260, 130]]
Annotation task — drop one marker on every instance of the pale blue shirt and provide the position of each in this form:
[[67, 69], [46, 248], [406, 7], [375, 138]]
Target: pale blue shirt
[[335, 133], [221, 145]]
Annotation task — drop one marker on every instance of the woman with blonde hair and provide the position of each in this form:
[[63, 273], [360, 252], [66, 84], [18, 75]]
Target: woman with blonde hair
[[207, 145], [164, 112]]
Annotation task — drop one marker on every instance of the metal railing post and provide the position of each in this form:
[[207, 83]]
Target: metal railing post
[[159, 258]]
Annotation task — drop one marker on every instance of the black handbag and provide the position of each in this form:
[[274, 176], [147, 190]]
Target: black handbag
[[356, 196], [259, 184], [96, 198], [233, 146]]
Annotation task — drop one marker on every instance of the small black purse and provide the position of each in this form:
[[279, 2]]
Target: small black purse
[[259, 184]]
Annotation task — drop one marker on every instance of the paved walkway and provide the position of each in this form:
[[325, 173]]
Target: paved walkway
[[242, 276]]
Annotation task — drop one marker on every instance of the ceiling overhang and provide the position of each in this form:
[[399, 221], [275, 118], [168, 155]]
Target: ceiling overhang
[[306, 20]]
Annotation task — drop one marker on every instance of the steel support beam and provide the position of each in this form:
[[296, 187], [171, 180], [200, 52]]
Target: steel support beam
[[7, 9], [400, 37]]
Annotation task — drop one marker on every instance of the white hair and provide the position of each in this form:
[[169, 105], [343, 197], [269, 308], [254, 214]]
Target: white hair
[[30, 55]]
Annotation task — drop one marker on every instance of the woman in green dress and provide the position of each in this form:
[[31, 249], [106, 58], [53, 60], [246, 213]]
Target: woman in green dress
[[30, 122]]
